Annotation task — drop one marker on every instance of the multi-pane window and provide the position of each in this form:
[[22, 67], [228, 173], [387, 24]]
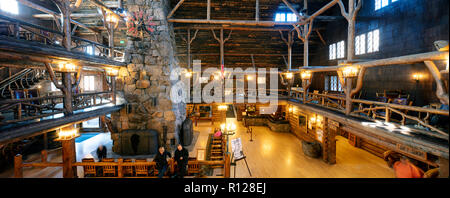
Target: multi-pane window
[[285, 17], [337, 50], [10, 6], [332, 84], [332, 51], [373, 42], [90, 50], [89, 83], [360, 44], [340, 51], [382, 3]]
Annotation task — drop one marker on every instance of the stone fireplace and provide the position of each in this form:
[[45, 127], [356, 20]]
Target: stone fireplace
[[145, 83]]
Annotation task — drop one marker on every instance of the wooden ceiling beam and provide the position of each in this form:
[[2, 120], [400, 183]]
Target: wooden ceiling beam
[[53, 13]]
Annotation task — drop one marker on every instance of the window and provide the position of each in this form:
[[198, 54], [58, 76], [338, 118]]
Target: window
[[333, 51], [360, 44], [340, 49], [382, 3], [291, 17], [285, 17], [332, 84], [90, 50], [337, 50], [373, 42], [335, 85], [53, 87], [10, 6], [89, 82]]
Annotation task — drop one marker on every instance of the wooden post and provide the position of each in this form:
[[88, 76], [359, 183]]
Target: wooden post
[[18, 169], [113, 89], [119, 168], [348, 98], [387, 116], [443, 167], [111, 40], [45, 141], [306, 37], [257, 11], [208, 12], [66, 11], [44, 156], [227, 166], [67, 101], [69, 157], [331, 142], [172, 165]]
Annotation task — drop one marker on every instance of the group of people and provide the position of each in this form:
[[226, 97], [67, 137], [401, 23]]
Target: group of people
[[181, 156]]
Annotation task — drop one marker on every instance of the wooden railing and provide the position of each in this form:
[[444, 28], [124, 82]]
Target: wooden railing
[[34, 108], [20, 29], [374, 110], [119, 166]]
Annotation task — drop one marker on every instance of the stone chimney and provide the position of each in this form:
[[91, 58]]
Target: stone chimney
[[145, 84]]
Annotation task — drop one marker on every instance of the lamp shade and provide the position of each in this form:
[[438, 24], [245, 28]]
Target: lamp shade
[[306, 75], [67, 67], [350, 71]]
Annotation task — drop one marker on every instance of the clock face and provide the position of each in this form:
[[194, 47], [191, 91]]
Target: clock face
[[138, 23]]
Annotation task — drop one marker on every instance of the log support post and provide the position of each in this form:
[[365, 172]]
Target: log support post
[[443, 167], [18, 168], [227, 166], [348, 98], [120, 168], [44, 156], [69, 157]]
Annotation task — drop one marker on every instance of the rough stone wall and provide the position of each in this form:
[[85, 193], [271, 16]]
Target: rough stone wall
[[145, 84]]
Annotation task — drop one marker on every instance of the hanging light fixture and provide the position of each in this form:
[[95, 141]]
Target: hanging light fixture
[[112, 72], [350, 71], [306, 75], [289, 75], [67, 67], [68, 133]]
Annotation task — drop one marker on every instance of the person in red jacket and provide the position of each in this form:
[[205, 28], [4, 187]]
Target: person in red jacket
[[405, 169]]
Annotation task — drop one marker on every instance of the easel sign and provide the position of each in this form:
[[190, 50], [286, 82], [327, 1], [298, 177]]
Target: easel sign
[[201, 154], [236, 147]]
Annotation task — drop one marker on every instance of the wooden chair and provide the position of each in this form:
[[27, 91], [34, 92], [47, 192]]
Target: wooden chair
[[141, 170], [89, 170], [128, 170], [109, 169]]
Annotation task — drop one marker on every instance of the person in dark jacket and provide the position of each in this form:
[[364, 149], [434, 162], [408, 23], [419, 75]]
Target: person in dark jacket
[[101, 152], [181, 157], [161, 161]]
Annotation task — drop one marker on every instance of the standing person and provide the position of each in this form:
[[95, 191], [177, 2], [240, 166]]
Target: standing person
[[101, 152], [405, 169], [161, 161], [181, 156]]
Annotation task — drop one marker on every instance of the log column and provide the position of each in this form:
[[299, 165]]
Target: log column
[[69, 157], [348, 98], [443, 167], [67, 83]]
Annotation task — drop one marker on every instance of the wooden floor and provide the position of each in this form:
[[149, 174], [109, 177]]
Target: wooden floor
[[270, 155], [279, 155]]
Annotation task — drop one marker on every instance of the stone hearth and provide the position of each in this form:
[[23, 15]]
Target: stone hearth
[[145, 83]]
